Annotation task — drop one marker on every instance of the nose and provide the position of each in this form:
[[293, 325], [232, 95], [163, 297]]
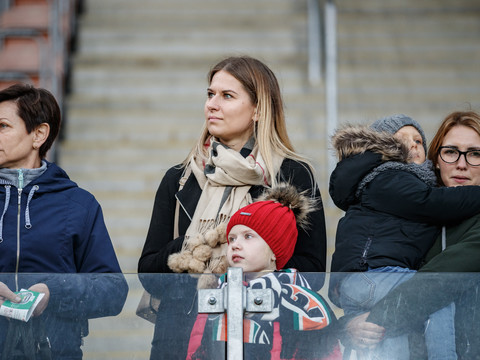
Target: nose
[[237, 244], [462, 161], [212, 103], [413, 144]]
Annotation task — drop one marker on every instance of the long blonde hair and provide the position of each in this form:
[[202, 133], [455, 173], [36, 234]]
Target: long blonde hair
[[270, 129]]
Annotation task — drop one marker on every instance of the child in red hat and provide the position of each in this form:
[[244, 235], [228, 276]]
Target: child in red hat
[[261, 239]]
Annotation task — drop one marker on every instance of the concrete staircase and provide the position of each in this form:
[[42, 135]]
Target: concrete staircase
[[415, 57], [139, 84], [139, 80]]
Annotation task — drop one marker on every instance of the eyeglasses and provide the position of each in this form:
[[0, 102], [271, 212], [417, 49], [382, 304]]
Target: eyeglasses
[[451, 155]]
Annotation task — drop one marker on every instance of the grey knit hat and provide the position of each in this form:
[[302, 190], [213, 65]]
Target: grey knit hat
[[393, 123]]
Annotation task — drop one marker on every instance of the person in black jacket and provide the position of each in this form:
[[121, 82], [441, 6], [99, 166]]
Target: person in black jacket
[[243, 149], [393, 213], [450, 272]]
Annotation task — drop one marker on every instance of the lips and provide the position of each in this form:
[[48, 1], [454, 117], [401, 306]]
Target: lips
[[460, 179], [236, 258]]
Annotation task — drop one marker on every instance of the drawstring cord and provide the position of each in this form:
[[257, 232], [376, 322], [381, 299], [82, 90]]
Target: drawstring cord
[[28, 224], [7, 201]]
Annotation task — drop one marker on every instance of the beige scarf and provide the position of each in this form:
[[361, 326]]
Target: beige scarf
[[225, 181]]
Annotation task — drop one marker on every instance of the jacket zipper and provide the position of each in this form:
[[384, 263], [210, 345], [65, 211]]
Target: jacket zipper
[[19, 207], [363, 261]]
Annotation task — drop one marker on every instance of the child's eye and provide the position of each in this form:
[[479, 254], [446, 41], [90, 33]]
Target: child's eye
[[419, 142], [227, 96], [210, 94], [248, 236], [231, 239]]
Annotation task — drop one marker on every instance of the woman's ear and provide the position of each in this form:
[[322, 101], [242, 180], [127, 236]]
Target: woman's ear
[[255, 115], [40, 135]]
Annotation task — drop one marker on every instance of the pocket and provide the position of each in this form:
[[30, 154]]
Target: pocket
[[357, 293]]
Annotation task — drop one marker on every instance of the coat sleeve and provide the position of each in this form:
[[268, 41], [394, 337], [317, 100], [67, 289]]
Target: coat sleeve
[[310, 251], [99, 287], [160, 243], [402, 194]]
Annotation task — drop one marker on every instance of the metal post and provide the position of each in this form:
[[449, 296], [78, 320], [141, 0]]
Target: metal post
[[314, 43], [235, 298], [235, 309], [331, 73]]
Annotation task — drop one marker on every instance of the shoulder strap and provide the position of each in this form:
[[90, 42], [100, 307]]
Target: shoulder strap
[[181, 182]]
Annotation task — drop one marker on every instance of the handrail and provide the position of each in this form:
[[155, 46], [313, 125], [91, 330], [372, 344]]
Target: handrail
[[331, 73]]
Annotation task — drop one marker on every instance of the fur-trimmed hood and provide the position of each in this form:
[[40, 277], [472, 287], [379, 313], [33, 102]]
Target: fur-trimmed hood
[[360, 151], [356, 139]]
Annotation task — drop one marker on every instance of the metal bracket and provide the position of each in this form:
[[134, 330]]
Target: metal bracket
[[234, 298], [213, 301]]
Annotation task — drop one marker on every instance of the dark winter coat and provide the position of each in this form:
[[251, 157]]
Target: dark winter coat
[[55, 231], [179, 295], [393, 211]]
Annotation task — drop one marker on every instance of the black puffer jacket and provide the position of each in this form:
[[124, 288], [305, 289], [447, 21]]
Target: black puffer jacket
[[393, 209]]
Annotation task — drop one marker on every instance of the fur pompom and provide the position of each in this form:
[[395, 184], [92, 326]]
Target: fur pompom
[[196, 266], [288, 195], [195, 241], [175, 262], [202, 252], [219, 265], [216, 236]]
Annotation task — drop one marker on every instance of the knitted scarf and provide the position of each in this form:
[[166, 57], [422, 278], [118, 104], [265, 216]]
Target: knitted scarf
[[225, 180]]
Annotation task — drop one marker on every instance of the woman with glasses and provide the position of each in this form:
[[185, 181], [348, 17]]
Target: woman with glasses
[[455, 153]]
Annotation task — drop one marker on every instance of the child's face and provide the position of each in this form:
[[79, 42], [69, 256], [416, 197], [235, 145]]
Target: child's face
[[410, 136], [247, 249]]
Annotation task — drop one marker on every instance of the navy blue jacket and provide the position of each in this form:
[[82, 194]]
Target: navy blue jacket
[[55, 230]]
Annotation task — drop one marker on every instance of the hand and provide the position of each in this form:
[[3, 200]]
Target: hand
[[42, 305], [7, 294], [364, 335]]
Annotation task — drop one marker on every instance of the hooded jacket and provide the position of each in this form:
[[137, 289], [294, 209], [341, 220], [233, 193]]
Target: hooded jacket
[[53, 230], [393, 210]]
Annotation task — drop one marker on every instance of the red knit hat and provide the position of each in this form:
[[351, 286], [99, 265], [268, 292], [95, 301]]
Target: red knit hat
[[274, 222]]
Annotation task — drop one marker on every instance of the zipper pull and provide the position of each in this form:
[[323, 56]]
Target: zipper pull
[[20, 178], [20, 185]]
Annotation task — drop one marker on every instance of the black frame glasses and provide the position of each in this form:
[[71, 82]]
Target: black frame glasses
[[459, 153]]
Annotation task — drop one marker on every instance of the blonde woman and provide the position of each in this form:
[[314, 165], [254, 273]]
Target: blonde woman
[[243, 149]]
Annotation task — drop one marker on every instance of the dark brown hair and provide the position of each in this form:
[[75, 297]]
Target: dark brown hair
[[35, 106]]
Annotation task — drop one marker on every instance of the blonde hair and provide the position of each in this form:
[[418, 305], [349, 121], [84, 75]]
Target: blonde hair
[[270, 130]]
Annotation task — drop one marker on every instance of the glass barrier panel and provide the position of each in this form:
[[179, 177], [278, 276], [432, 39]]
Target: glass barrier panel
[[311, 316]]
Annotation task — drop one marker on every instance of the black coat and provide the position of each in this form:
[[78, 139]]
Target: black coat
[[178, 291], [394, 219], [310, 250]]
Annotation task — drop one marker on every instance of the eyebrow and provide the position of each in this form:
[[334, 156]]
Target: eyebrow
[[223, 91], [468, 148]]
